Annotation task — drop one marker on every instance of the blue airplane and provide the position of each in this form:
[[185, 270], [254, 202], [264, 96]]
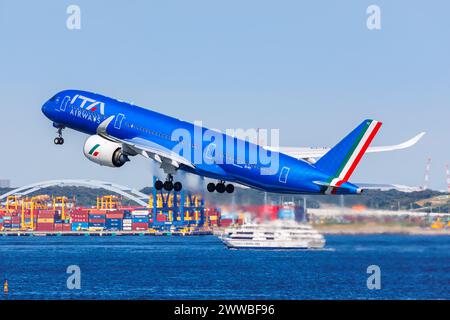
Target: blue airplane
[[118, 130]]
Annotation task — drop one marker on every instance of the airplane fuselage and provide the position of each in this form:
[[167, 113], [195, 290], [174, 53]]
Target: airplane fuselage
[[85, 111]]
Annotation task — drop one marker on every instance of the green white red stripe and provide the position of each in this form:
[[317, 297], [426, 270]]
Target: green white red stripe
[[93, 151], [354, 155]]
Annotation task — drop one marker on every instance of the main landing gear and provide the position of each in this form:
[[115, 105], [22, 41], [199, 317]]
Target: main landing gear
[[168, 185], [59, 139], [220, 187]]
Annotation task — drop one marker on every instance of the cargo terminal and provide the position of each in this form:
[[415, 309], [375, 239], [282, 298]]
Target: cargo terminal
[[30, 210]]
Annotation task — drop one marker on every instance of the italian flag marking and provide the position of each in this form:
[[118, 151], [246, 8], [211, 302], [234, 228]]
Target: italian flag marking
[[354, 155], [93, 151]]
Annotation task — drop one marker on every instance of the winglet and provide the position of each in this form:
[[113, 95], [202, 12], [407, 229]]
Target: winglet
[[400, 146]]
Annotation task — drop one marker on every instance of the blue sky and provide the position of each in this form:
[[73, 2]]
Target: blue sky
[[309, 68]]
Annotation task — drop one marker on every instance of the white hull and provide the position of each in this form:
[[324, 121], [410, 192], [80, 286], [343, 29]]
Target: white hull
[[274, 235], [301, 245]]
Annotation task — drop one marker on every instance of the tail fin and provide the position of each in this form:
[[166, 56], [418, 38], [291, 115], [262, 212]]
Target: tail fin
[[341, 161]]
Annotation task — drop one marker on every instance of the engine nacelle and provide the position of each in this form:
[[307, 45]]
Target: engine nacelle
[[104, 152]]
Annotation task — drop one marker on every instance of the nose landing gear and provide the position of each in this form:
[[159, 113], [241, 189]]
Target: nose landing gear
[[59, 139]]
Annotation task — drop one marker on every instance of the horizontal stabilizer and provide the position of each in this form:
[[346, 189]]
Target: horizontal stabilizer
[[387, 187], [342, 188]]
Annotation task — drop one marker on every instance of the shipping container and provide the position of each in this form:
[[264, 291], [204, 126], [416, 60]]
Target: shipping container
[[78, 220], [139, 226], [142, 212], [45, 227], [97, 216], [46, 213], [79, 215], [78, 226], [95, 229], [97, 211], [96, 225], [226, 222], [139, 216], [113, 225], [114, 216], [161, 218]]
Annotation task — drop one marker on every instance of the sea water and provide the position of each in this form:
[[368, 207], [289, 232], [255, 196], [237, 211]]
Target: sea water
[[411, 267]]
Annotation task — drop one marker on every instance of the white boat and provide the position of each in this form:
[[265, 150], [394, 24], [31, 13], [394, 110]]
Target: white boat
[[278, 234]]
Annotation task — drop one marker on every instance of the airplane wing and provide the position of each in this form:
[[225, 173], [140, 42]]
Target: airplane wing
[[312, 153], [169, 160], [156, 152]]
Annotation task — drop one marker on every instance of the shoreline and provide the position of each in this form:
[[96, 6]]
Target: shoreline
[[380, 229]]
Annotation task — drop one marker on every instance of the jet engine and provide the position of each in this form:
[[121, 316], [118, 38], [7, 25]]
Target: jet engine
[[104, 152]]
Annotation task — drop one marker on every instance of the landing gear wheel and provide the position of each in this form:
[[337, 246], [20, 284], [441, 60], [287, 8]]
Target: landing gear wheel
[[211, 187], [59, 139], [168, 185], [220, 187], [229, 188], [177, 186], [159, 185]]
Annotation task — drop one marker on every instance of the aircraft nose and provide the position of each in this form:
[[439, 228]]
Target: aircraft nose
[[44, 109]]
